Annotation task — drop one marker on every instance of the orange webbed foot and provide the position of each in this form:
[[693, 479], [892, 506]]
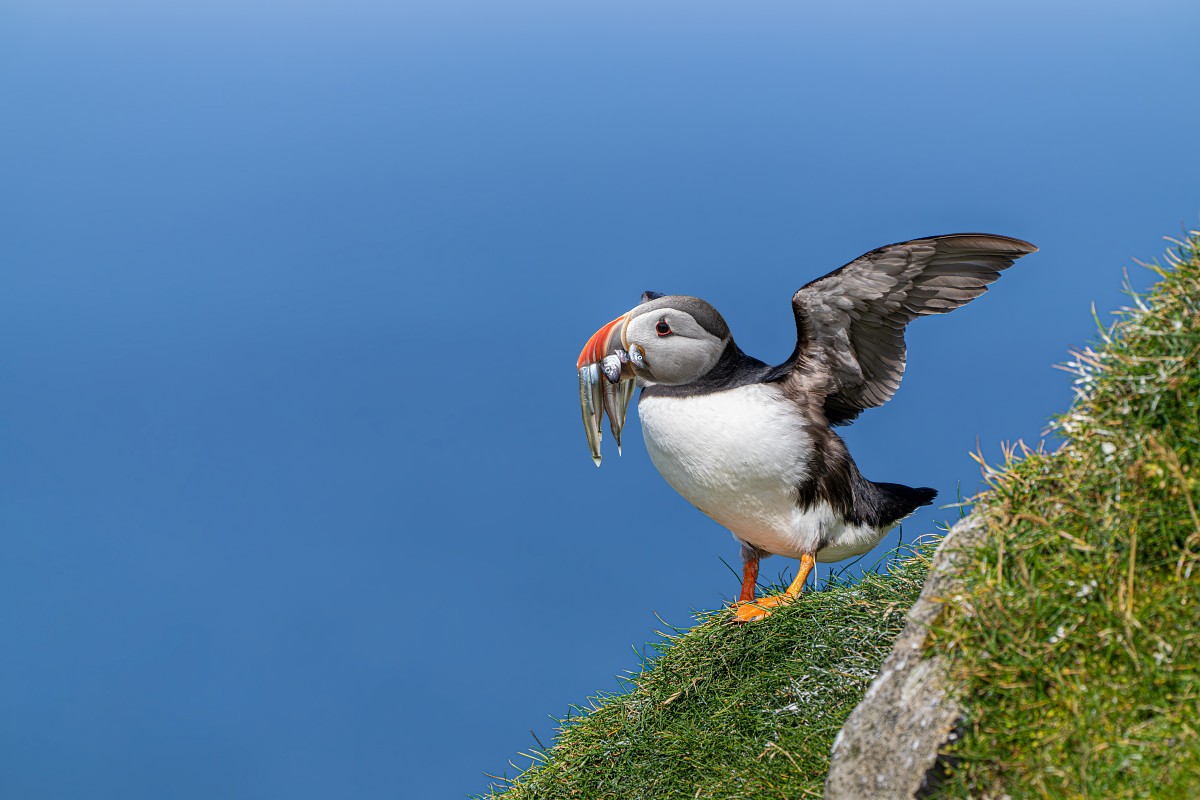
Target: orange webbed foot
[[754, 610]]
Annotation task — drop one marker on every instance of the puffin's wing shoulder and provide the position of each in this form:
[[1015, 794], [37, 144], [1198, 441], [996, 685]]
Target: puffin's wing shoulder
[[850, 323]]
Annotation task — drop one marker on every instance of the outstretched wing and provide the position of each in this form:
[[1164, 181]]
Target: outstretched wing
[[850, 324]]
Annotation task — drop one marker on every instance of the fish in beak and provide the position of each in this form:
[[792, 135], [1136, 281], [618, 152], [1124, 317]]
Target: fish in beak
[[606, 383]]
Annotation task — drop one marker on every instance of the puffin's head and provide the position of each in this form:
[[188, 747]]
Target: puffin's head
[[669, 339]]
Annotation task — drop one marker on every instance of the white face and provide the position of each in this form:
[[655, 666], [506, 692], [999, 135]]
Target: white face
[[677, 349]]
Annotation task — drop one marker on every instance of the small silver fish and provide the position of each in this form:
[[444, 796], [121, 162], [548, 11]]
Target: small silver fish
[[624, 393], [637, 357], [611, 365], [612, 407], [591, 401]]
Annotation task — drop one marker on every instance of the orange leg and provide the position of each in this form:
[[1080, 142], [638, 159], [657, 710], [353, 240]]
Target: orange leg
[[749, 579], [757, 609]]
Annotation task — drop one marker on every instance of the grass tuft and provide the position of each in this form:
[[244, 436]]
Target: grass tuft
[[1077, 636], [734, 711]]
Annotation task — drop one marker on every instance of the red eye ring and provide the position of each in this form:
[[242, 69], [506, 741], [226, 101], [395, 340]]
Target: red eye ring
[[663, 329]]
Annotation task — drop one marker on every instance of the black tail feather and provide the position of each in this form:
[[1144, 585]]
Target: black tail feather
[[884, 504], [904, 500]]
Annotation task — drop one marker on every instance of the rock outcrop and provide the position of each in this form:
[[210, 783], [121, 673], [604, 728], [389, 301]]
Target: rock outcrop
[[889, 745]]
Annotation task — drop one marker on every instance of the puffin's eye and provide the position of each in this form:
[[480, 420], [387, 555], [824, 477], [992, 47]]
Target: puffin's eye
[[663, 329]]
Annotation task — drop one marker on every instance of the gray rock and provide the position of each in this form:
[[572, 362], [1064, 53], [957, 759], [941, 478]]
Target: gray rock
[[891, 740]]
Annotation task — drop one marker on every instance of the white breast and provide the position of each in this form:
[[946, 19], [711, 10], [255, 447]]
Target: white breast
[[740, 456]]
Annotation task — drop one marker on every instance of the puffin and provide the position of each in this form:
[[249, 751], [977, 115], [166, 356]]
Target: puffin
[[752, 445]]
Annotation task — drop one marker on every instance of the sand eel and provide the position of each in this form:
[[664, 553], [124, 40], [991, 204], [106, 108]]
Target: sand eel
[[752, 445]]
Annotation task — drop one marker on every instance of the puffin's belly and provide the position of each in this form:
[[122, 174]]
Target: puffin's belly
[[739, 456]]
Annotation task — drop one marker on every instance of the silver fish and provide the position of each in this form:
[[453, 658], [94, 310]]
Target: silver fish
[[612, 408], [622, 394], [627, 388], [611, 366], [591, 401], [637, 356]]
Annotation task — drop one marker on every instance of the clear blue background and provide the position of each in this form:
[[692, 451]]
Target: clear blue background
[[294, 493]]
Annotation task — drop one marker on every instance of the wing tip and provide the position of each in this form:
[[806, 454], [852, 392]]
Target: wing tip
[[991, 241]]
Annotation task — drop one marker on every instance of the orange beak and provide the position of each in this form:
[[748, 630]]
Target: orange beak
[[599, 345]]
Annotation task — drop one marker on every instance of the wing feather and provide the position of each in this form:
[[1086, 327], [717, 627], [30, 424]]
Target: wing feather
[[850, 352]]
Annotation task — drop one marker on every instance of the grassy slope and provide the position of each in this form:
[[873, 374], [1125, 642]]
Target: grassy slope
[[1077, 637], [729, 711]]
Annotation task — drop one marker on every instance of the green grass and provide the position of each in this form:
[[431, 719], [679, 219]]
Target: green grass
[[734, 711], [1078, 634]]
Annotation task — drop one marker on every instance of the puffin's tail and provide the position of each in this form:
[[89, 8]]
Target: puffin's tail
[[897, 501]]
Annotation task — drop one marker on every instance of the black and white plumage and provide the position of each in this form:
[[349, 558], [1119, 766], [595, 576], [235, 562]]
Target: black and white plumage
[[752, 445]]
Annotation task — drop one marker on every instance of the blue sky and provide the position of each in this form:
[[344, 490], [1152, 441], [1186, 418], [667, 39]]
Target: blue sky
[[294, 494]]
